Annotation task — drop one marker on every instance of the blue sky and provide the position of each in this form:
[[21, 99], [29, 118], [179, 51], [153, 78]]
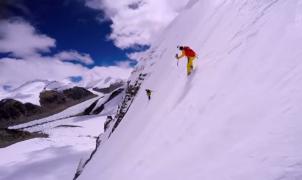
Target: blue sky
[[74, 26], [90, 39]]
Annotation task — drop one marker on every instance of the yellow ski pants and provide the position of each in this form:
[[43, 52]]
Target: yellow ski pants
[[190, 65]]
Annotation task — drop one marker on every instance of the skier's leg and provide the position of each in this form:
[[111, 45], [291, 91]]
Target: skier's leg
[[191, 62], [188, 67]]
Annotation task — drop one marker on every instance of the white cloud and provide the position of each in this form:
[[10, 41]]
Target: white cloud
[[137, 22], [25, 44], [100, 76], [21, 39], [126, 63], [74, 56], [137, 56], [15, 72], [109, 71]]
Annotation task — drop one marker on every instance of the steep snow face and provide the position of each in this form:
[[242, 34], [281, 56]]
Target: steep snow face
[[238, 116]]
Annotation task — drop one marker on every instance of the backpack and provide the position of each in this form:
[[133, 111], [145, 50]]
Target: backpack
[[189, 52]]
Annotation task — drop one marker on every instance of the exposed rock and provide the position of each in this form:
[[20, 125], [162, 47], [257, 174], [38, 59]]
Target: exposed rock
[[100, 108], [111, 88], [13, 112], [130, 94], [131, 91], [114, 94], [11, 136], [51, 99], [77, 93], [107, 122], [68, 126], [88, 110], [32, 109]]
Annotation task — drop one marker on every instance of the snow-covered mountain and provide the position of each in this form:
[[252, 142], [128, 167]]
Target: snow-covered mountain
[[71, 136], [30, 91], [238, 116], [101, 77]]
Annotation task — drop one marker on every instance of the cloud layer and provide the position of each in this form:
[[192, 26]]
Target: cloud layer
[[74, 56], [26, 63], [137, 22], [21, 39], [15, 72]]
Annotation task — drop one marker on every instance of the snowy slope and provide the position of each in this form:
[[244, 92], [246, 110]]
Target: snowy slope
[[57, 157], [71, 140], [28, 92], [69, 112], [237, 117]]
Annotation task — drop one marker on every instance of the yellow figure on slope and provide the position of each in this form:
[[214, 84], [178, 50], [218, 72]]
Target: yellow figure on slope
[[190, 54]]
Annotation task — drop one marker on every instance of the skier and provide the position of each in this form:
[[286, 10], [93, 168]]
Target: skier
[[148, 91], [190, 54]]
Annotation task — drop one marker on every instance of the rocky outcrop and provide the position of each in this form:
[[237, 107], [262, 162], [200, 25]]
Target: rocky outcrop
[[11, 136], [76, 93], [14, 112], [112, 123], [94, 109], [52, 99], [88, 110], [107, 122]]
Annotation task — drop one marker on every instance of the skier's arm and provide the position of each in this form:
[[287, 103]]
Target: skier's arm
[[182, 55]]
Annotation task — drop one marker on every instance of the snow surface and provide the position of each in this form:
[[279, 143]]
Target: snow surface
[[71, 140], [70, 143], [56, 157], [237, 117], [111, 106], [71, 111]]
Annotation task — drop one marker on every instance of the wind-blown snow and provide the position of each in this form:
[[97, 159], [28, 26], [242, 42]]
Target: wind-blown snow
[[238, 116]]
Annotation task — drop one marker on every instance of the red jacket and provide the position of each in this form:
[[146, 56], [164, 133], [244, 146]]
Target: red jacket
[[187, 52]]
